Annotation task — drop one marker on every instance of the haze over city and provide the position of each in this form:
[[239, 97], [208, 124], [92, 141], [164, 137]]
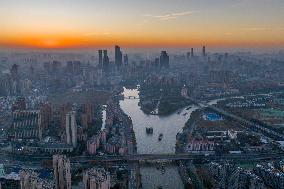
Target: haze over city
[[141, 94]]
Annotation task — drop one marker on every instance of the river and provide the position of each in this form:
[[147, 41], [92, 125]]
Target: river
[[169, 126]]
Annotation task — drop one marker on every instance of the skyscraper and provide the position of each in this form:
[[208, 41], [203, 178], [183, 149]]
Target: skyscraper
[[100, 58], [203, 51], [192, 55], [71, 128], [188, 55], [126, 59], [105, 61], [118, 56], [96, 178], [164, 59], [61, 171]]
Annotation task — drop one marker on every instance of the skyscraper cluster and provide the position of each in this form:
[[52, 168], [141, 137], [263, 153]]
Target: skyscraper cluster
[[103, 60], [191, 53]]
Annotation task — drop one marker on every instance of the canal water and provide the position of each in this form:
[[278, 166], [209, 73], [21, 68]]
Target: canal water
[[169, 126]]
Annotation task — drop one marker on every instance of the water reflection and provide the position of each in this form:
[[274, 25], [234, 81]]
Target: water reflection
[[104, 117]]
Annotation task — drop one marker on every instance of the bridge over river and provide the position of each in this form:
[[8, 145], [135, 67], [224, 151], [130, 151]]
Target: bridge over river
[[159, 157], [131, 97]]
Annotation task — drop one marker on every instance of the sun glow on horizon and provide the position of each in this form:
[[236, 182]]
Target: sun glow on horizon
[[77, 24]]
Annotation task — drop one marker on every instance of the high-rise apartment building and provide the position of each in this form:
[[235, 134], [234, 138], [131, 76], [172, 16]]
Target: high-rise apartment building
[[61, 172], [71, 128]]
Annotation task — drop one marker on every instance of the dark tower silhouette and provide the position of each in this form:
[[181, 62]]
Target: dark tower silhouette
[[105, 61], [203, 51], [164, 59], [118, 56], [192, 55], [100, 58]]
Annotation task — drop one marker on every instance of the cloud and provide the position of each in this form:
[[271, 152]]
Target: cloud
[[107, 33], [256, 29], [246, 3], [228, 33], [96, 34], [91, 34], [183, 13], [142, 23], [170, 16]]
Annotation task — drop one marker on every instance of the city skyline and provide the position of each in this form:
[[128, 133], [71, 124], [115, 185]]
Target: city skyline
[[91, 24]]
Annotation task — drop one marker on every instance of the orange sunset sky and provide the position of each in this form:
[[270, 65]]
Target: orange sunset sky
[[137, 23]]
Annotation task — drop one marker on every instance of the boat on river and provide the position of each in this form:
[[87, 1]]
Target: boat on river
[[188, 108], [160, 136], [149, 130]]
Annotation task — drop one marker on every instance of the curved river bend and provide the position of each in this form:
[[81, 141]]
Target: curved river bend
[[169, 126]]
